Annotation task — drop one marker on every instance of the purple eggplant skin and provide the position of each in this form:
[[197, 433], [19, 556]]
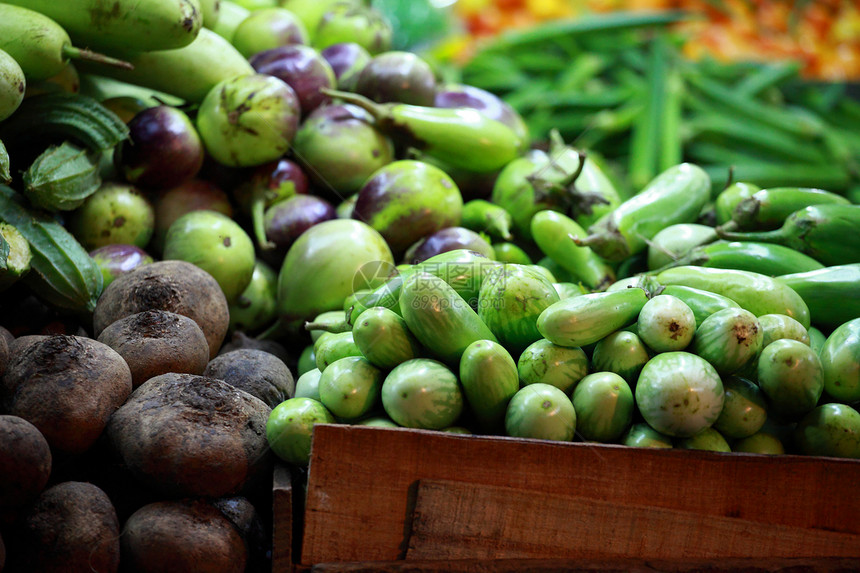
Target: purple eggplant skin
[[453, 95], [448, 239], [271, 182], [397, 77], [118, 259], [340, 148], [287, 219], [303, 68], [346, 59], [407, 200], [163, 149]]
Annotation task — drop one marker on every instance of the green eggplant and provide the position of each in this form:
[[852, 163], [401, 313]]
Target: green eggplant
[[728, 339], [832, 294], [461, 137], [791, 376], [760, 294], [558, 272], [462, 269], [621, 352], [840, 361], [562, 179], [332, 346], [510, 253], [828, 233], [765, 258], [439, 318], [816, 339], [350, 387], [642, 435], [328, 321], [585, 319], [489, 378], [677, 195], [672, 242], [728, 199], [482, 216], [703, 303], [383, 338], [779, 326], [567, 290], [320, 268], [509, 302], [546, 363], [554, 234], [307, 360], [768, 208]]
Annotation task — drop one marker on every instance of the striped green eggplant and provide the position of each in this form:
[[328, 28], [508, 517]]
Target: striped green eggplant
[[383, 337], [439, 318], [829, 233], [728, 339], [768, 208], [677, 195], [765, 258], [488, 375], [832, 294]]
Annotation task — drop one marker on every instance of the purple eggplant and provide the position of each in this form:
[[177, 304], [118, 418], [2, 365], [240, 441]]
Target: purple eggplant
[[340, 147], [407, 200], [398, 77], [448, 239], [118, 259], [346, 59], [163, 149], [268, 184], [303, 68], [287, 219]]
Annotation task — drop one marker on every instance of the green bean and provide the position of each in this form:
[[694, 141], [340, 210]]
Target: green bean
[[773, 174], [671, 147], [766, 77], [753, 109], [602, 24], [645, 136]]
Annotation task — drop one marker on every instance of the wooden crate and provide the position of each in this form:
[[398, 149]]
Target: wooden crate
[[410, 500]]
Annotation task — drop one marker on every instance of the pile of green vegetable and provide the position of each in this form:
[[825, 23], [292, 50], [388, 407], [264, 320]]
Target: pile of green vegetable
[[253, 217]]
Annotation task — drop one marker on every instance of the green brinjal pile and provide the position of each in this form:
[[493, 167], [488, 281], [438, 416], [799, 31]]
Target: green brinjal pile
[[224, 222]]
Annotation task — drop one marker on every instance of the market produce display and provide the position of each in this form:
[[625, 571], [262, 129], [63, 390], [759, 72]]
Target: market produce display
[[241, 219]]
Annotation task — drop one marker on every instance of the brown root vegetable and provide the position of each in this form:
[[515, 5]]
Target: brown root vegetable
[[188, 435], [245, 518], [241, 340], [7, 335], [26, 461], [156, 342], [174, 286], [4, 355], [257, 372], [179, 536], [72, 526], [66, 386]]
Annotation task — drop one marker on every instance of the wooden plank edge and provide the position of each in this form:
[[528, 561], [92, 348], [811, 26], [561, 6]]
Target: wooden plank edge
[[733, 565], [282, 519]]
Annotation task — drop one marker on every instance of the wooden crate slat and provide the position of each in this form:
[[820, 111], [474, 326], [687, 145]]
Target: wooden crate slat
[[362, 483], [462, 520]]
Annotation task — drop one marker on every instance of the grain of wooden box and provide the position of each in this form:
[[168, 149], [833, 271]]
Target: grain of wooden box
[[381, 499]]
